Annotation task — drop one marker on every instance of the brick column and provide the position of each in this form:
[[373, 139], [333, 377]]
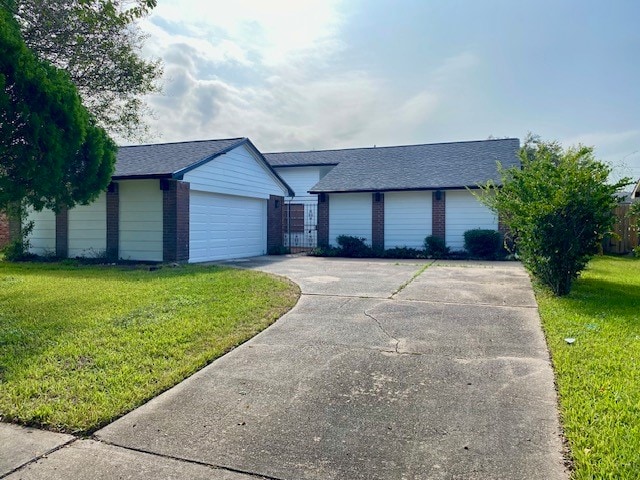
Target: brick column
[[15, 226], [377, 221], [5, 230], [438, 213], [113, 222], [62, 233], [275, 210], [323, 220], [175, 220]]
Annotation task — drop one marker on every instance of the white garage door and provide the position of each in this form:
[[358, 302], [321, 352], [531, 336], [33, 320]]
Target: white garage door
[[226, 226], [407, 219], [350, 214], [464, 212]]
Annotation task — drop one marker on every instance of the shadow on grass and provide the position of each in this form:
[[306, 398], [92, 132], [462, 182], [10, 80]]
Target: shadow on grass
[[595, 296]]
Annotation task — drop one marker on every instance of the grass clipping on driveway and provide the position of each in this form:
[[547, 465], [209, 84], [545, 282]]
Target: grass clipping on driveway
[[81, 346], [599, 375]]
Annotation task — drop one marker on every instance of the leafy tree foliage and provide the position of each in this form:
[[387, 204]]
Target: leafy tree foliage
[[557, 206], [98, 43], [52, 153]]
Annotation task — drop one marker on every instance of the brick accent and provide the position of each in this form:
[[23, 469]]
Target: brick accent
[[377, 221], [62, 233], [275, 224], [438, 214], [15, 228], [5, 231], [323, 220], [175, 220], [113, 222]]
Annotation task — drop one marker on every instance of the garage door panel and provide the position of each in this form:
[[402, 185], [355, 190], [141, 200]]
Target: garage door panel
[[226, 226], [407, 219], [464, 212]]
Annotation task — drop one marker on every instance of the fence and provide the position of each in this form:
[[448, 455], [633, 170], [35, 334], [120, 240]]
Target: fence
[[625, 237]]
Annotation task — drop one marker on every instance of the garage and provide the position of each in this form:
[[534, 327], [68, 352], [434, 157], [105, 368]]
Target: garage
[[226, 226], [464, 212], [407, 219]]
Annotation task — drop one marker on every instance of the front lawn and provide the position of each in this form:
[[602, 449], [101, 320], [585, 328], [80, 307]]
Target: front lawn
[[599, 375], [81, 346]]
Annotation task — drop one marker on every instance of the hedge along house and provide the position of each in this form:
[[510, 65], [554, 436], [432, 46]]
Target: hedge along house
[[396, 196], [191, 201]]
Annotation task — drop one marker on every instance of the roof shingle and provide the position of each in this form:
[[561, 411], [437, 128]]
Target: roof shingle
[[408, 167], [165, 159]]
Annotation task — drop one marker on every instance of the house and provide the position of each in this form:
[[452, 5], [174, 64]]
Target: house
[[391, 196], [218, 199], [189, 201]]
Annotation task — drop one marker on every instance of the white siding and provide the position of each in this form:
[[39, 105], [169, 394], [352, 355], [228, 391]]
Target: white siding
[[464, 212], [407, 219], [43, 236], [140, 220], [236, 172], [300, 179], [350, 214], [88, 229], [226, 226]]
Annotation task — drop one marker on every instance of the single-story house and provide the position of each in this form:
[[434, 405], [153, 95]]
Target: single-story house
[[218, 199], [189, 201], [392, 196]]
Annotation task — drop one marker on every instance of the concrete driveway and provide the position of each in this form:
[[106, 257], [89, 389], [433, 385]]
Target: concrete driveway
[[383, 370]]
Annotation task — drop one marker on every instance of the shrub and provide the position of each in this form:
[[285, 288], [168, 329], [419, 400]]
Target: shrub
[[18, 249], [558, 206], [435, 247], [403, 252], [353, 246], [279, 250], [325, 252], [482, 243]]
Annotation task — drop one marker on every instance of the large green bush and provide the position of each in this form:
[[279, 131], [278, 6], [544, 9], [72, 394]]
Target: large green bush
[[351, 246], [483, 243], [435, 247], [558, 206]]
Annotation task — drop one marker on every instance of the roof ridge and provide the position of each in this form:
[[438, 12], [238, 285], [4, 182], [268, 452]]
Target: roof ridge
[[182, 142], [395, 146]]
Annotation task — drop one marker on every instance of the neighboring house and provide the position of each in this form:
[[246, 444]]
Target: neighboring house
[[394, 196], [190, 201], [635, 193], [219, 199]]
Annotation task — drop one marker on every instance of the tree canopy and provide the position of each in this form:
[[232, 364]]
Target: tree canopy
[[558, 207], [98, 43], [52, 153]]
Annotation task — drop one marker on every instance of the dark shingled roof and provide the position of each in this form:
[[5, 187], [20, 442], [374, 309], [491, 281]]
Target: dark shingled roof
[[409, 167], [166, 159]]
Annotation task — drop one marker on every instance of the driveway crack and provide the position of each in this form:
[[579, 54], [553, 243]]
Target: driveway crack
[[383, 330], [416, 275]]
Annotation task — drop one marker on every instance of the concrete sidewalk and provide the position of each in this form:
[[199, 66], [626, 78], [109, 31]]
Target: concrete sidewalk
[[381, 371]]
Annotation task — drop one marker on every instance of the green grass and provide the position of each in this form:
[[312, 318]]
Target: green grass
[[81, 346], [599, 375]]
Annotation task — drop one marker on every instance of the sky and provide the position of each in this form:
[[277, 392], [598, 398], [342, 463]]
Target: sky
[[321, 74]]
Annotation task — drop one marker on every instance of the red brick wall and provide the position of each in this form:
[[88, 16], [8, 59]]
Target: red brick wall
[[323, 220], [113, 222], [275, 216], [62, 233], [175, 220], [438, 214], [5, 234], [377, 221]]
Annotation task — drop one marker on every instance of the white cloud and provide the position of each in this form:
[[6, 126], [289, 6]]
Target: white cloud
[[267, 70], [274, 29]]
